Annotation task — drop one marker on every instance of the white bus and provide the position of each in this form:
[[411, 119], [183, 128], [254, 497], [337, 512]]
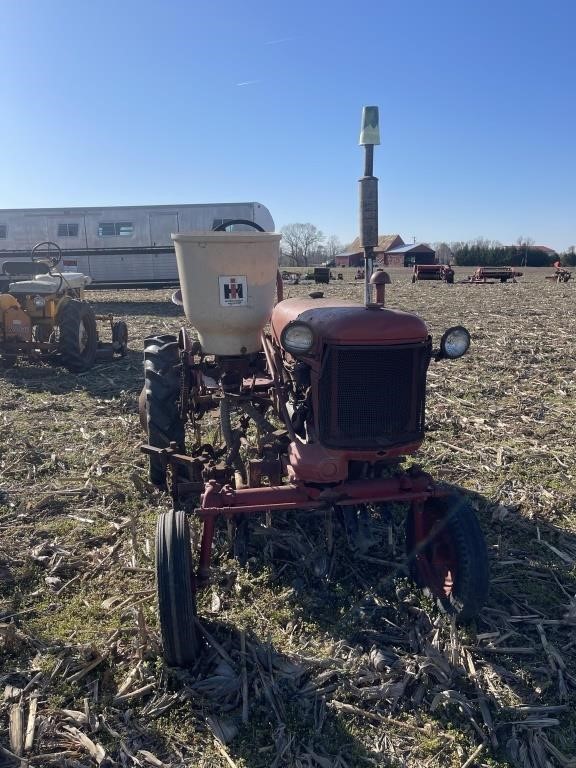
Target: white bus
[[119, 245]]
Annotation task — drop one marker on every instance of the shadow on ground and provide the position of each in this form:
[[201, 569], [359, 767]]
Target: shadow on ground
[[123, 308], [350, 669], [503, 681], [107, 378]]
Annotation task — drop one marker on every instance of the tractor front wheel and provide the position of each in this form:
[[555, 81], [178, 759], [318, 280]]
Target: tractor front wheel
[[175, 590], [120, 338], [162, 384], [447, 554], [78, 335]]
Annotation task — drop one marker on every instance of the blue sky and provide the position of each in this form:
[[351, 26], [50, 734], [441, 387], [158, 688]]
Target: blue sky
[[108, 103]]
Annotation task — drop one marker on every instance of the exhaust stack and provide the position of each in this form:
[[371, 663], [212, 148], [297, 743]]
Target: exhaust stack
[[369, 136]]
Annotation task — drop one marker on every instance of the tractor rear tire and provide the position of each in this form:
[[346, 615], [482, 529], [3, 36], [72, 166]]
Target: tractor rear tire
[[78, 335], [450, 562], [175, 590], [142, 412], [162, 384]]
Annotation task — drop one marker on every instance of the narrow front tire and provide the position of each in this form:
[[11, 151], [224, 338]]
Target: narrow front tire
[[175, 590], [447, 555]]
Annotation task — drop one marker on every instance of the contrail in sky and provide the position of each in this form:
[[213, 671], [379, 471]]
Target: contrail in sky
[[248, 82], [281, 40]]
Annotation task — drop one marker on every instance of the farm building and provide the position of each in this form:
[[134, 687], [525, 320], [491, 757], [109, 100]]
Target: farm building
[[119, 244], [544, 249], [350, 259], [391, 251], [408, 255], [354, 255]]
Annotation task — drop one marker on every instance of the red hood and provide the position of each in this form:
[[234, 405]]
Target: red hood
[[338, 321]]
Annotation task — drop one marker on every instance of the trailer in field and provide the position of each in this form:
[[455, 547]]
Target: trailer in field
[[442, 272], [493, 274], [119, 245]]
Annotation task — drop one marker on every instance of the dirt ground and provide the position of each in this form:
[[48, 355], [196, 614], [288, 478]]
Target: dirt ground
[[299, 670]]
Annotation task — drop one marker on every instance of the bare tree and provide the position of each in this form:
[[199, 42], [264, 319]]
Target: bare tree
[[300, 242], [333, 246], [444, 254], [524, 243]]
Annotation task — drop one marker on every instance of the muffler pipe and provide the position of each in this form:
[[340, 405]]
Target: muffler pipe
[[369, 136]]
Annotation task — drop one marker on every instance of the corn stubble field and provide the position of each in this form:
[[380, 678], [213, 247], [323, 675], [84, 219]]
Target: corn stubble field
[[357, 669]]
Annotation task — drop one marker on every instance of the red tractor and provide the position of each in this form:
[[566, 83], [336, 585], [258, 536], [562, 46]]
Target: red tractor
[[316, 413]]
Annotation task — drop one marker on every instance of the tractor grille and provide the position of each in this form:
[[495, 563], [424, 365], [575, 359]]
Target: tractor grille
[[17, 325], [372, 398]]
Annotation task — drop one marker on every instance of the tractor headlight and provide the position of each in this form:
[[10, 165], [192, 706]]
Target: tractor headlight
[[39, 302], [297, 338], [454, 342]]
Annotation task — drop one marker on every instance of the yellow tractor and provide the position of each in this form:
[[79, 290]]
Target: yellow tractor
[[43, 314]]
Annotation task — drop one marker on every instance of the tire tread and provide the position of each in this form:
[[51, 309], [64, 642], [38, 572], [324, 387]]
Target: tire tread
[[174, 581]]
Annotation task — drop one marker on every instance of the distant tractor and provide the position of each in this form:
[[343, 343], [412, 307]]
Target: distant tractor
[[493, 274], [43, 314], [319, 400], [442, 272]]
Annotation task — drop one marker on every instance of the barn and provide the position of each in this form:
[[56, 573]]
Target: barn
[[354, 255], [408, 255], [350, 259]]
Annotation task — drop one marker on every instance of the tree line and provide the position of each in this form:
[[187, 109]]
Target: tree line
[[568, 258], [304, 244], [491, 253]]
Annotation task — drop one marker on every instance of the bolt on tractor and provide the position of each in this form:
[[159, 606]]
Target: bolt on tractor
[[318, 402], [43, 314]]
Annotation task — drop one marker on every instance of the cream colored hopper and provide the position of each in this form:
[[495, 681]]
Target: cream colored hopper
[[228, 284]]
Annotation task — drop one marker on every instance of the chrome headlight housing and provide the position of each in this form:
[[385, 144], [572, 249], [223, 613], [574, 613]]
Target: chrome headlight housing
[[454, 342], [297, 338], [39, 302]]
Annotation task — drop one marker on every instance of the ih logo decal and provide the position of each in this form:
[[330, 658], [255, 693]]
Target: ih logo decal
[[233, 290]]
